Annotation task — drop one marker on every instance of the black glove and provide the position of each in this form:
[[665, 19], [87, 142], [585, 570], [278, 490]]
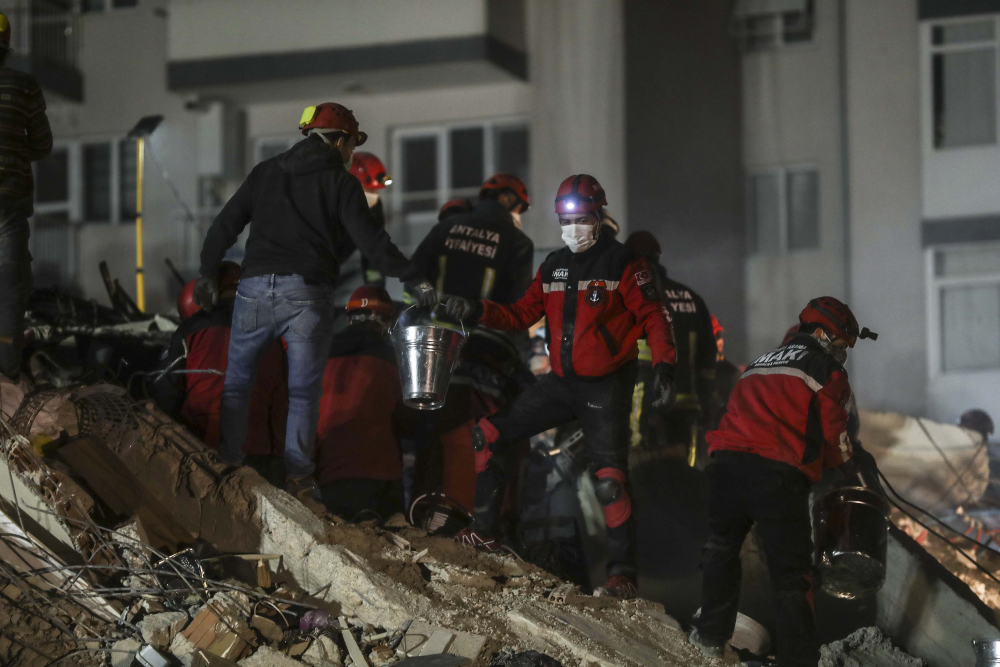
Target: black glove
[[863, 463], [423, 292], [663, 386], [464, 309], [206, 291]]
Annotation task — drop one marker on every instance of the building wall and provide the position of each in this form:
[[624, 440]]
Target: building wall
[[791, 117], [887, 260], [685, 182], [123, 58]]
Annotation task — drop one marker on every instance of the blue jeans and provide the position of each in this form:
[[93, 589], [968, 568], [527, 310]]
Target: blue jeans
[[267, 308]]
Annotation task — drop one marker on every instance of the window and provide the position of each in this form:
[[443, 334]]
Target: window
[[273, 147], [770, 24], [108, 180], [52, 177], [51, 228], [434, 164], [103, 5], [97, 182], [783, 210], [966, 288], [964, 83], [128, 157]]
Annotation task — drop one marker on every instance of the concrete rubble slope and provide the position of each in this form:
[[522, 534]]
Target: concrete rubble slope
[[380, 592]]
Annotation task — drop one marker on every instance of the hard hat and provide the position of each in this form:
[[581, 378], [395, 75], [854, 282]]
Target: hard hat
[[331, 116], [186, 307], [836, 317], [643, 243], [371, 298], [580, 193], [977, 420], [454, 207], [717, 329], [499, 183], [4, 31], [370, 171]]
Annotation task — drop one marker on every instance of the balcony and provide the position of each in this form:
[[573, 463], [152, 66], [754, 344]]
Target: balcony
[[45, 41], [353, 45]]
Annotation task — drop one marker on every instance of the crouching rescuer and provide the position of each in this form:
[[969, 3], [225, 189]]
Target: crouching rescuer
[[786, 420], [598, 299]]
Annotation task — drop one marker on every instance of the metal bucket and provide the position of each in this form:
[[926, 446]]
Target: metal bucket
[[851, 541], [427, 345], [987, 652]]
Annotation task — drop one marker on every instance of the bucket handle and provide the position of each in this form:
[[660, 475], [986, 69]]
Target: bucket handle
[[465, 334]]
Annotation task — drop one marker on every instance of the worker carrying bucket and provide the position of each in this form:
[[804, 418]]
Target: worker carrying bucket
[[427, 344], [786, 420]]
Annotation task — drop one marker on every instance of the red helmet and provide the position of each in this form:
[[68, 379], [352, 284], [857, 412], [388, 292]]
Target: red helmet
[[4, 31], [580, 193], [454, 207], [331, 116], [370, 171], [229, 278], [717, 329], [371, 298], [500, 183], [834, 316]]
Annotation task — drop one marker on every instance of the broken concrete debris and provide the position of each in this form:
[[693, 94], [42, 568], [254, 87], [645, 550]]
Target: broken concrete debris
[[867, 646], [128, 541]]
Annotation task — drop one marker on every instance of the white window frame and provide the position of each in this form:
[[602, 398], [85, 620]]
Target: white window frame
[[116, 212], [258, 144], [935, 283], [108, 8], [931, 49], [777, 30], [70, 206], [443, 133], [783, 225]]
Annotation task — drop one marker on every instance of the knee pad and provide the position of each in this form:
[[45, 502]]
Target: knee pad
[[484, 434], [614, 498]]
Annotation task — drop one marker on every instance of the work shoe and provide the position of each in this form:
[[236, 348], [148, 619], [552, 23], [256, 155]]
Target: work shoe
[[618, 586], [709, 648], [303, 488], [479, 541]]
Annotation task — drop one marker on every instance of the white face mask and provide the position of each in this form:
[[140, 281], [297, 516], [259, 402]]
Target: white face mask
[[579, 237], [517, 219], [372, 198], [838, 353]]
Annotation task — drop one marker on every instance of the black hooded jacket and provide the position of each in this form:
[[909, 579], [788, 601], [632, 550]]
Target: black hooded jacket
[[300, 204]]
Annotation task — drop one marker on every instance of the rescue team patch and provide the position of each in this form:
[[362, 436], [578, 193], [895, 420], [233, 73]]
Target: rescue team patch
[[649, 292], [597, 293], [642, 278], [560, 274]]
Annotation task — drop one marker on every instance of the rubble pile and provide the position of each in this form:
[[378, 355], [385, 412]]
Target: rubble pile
[[866, 647], [123, 536]]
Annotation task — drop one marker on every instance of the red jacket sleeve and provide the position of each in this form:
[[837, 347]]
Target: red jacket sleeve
[[643, 301], [519, 315], [833, 399]]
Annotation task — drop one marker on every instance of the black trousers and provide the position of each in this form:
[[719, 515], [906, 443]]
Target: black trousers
[[744, 489], [356, 498], [602, 407], [15, 292]]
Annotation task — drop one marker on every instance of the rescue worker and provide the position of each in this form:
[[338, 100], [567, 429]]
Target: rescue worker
[[598, 298], [477, 254], [25, 137], [358, 461], [726, 376], [696, 352], [368, 169], [301, 203], [454, 207], [482, 254], [195, 363], [786, 421]]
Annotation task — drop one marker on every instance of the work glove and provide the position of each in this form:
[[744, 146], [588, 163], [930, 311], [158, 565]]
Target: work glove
[[423, 292], [663, 386], [863, 463], [464, 309], [206, 291]]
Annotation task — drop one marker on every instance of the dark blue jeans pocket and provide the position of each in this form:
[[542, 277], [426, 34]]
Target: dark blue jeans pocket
[[312, 318], [245, 313]]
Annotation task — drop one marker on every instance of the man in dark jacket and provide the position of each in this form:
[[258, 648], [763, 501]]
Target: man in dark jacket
[[598, 299], [696, 353], [300, 203], [359, 466], [24, 138], [190, 389], [786, 420]]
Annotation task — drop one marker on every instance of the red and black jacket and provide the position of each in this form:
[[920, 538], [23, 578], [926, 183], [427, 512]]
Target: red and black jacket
[[201, 343], [790, 405], [597, 304], [361, 404]]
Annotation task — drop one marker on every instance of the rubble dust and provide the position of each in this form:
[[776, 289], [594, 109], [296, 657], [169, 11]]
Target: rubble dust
[[866, 647]]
